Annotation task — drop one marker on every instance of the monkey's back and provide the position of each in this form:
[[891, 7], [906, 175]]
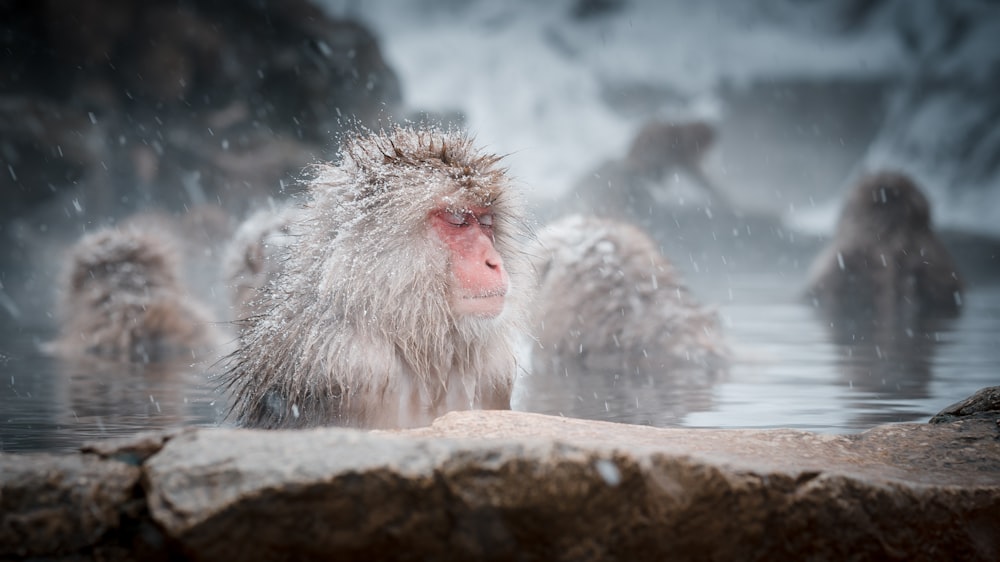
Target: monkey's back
[[607, 295], [885, 265]]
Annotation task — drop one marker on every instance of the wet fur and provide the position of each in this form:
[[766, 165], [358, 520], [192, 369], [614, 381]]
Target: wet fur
[[609, 299], [356, 328], [895, 271], [122, 299], [253, 256]]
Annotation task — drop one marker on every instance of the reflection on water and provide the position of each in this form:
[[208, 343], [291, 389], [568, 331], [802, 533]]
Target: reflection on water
[[627, 396], [53, 404], [789, 370], [796, 371]]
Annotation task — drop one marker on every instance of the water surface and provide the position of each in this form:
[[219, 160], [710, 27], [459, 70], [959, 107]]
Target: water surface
[[788, 371]]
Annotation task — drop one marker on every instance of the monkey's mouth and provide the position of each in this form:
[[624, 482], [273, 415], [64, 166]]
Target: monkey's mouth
[[488, 294], [483, 304]]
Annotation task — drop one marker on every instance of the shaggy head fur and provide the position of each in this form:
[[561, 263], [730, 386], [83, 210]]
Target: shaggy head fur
[[356, 327]]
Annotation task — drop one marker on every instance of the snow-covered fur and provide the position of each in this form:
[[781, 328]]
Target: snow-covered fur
[[356, 328], [122, 299], [608, 299], [885, 267]]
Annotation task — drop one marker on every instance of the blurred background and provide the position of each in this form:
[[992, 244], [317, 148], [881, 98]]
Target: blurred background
[[202, 111]]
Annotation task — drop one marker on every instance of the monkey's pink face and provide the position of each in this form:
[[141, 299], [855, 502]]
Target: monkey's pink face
[[479, 280]]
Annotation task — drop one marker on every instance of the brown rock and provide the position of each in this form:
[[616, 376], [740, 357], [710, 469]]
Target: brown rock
[[57, 505], [512, 485], [241, 494], [509, 485]]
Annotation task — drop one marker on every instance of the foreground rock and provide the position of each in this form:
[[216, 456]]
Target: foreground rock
[[510, 485], [62, 504]]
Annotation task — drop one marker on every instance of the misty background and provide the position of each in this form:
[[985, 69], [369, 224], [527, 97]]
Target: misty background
[[805, 95]]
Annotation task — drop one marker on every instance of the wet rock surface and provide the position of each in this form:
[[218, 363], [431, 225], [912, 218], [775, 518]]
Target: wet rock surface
[[512, 485], [983, 404]]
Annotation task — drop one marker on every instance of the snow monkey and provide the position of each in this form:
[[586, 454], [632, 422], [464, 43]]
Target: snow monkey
[[400, 293], [661, 147], [123, 299], [609, 299], [253, 255], [885, 267], [626, 187]]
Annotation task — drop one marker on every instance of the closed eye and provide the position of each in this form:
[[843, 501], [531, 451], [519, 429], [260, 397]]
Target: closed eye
[[457, 219]]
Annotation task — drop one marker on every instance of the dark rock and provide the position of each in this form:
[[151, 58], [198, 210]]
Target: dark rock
[[108, 107], [984, 403], [59, 505], [177, 104], [945, 76]]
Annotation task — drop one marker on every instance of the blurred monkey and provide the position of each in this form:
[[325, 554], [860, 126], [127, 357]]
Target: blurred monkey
[[254, 257], [123, 299], [885, 268], [609, 299], [625, 188]]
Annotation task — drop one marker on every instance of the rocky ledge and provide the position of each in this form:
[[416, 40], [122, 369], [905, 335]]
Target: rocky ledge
[[511, 485]]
